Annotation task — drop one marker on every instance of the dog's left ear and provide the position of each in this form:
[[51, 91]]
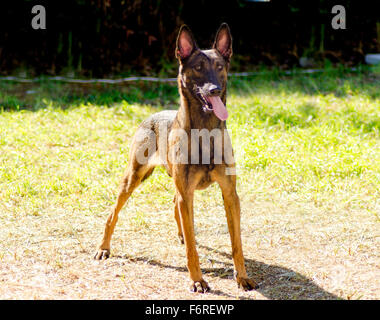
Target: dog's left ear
[[223, 41]]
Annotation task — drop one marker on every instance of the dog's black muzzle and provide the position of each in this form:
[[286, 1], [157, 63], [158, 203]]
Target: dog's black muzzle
[[209, 89]]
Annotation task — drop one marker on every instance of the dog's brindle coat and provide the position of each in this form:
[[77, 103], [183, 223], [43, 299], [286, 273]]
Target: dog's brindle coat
[[200, 71]]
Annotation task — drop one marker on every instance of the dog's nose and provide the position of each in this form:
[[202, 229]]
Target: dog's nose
[[215, 90]]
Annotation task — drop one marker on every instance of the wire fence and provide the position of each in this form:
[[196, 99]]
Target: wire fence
[[150, 79]]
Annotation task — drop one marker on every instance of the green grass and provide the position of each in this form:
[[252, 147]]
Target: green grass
[[308, 135], [308, 156]]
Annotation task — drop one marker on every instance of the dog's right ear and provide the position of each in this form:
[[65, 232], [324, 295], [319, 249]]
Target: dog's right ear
[[185, 43]]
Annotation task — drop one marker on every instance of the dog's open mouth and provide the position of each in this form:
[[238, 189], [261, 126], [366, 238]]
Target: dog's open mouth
[[214, 103], [206, 105]]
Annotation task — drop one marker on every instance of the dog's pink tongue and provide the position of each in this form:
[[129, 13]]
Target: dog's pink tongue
[[218, 108]]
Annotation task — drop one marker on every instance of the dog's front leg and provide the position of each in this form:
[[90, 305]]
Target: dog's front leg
[[185, 206], [232, 207], [227, 184]]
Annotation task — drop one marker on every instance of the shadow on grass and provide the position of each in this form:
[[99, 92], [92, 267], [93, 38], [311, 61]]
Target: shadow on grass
[[275, 282], [36, 96], [340, 83]]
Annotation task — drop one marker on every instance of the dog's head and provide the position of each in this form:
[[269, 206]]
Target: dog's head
[[204, 72]]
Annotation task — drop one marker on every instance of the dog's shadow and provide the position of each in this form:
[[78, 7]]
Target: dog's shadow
[[275, 282]]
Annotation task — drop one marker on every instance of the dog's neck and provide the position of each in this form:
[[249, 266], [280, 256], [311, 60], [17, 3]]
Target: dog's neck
[[190, 114]]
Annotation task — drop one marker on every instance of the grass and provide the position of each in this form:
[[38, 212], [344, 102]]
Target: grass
[[308, 154]]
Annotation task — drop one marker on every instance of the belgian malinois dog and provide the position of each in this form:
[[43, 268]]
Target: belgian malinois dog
[[202, 82]]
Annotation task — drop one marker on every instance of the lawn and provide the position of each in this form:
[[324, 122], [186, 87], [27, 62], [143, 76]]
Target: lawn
[[308, 155]]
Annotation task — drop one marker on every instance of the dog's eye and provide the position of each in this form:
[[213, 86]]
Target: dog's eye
[[198, 67], [219, 67]]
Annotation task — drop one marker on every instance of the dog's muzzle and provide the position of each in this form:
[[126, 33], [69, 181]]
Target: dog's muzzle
[[205, 92]]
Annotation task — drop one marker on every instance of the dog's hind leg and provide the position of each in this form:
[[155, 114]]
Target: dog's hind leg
[[178, 220], [134, 175]]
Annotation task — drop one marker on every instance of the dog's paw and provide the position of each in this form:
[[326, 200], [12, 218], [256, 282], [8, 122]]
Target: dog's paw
[[181, 239], [199, 286], [246, 284], [102, 254]]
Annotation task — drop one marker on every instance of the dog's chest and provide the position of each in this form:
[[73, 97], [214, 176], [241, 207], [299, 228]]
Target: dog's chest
[[205, 180]]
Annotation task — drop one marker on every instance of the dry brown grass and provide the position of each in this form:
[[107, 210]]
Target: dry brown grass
[[294, 250]]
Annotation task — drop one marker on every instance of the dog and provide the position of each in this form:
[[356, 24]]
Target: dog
[[165, 139]]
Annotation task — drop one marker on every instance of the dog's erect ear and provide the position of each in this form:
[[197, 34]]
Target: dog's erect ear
[[185, 43], [223, 41]]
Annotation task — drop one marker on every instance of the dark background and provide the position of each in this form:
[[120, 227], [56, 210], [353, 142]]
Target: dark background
[[107, 37]]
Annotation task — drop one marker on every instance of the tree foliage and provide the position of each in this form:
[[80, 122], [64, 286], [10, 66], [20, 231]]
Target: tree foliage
[[102, 37]]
